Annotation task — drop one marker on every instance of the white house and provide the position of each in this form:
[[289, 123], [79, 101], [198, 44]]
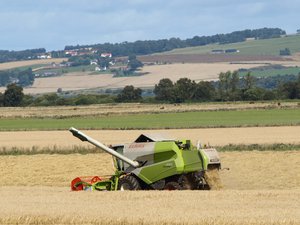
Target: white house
[[94, 62], [106, 55]]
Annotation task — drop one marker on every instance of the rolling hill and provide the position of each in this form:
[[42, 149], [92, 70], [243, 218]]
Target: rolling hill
[[250, 47]]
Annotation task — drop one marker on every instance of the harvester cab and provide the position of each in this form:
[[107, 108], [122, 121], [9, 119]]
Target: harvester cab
[[155, 162]]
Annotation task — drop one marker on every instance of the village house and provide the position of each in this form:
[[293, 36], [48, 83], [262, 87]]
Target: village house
[[106, 55]]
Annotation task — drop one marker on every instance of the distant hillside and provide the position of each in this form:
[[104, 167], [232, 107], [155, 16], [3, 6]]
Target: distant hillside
[[251, 47], [156, 46], [144, 47]]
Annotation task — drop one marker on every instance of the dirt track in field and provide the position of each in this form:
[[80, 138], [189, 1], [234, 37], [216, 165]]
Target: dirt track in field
[[212, 136]]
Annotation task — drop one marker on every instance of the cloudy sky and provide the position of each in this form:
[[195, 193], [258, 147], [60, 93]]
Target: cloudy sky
[[52, 24]]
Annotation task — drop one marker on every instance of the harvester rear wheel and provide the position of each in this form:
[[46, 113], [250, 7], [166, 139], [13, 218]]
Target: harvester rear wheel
[[128, 183]]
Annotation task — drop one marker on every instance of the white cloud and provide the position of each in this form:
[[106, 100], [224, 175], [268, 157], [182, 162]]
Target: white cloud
[[56, 23]]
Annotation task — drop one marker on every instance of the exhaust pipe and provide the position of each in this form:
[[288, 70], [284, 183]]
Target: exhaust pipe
[[84, 137]]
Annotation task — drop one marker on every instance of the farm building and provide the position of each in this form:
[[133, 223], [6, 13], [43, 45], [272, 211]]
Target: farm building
[[217, 51], [106, 55], [232, 50]]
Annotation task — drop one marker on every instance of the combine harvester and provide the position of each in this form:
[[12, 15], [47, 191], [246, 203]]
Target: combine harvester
[[154, 163]]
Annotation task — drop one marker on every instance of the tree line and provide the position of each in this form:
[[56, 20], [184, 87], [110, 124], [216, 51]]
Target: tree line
[[153, 46], [229, 87], [9, 56]]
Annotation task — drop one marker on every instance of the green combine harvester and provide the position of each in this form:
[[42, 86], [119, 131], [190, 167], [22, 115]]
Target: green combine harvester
[[154, 163]]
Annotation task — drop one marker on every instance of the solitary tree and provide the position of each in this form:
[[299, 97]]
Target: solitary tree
[[13, 95], [224, 85], [234, 86], [248, 81]]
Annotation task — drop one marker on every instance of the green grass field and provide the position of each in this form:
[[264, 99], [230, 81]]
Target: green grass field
[[254, 47], [271, 72], [35, 66], [74, 69], [271, 117], [86, 68]]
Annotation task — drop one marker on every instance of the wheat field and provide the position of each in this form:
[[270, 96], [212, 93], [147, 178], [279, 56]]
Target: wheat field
[[16, 64], [248, 170], [260, 188], [46, 205], [213, 136]]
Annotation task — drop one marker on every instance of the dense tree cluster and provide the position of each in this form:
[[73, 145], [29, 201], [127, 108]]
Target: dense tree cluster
[[80, 60], [285, 52], [8, 56], [134, 63], [151, 46], [20, 77], [291, 89], [237, 36], [184, 90], [12, 96], [130, 94], [229, 87]]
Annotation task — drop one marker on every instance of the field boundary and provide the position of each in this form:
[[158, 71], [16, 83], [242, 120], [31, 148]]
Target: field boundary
[[137, 108], [35, 150]]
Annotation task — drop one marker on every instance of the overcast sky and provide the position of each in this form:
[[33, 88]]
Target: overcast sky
[[52, 24]]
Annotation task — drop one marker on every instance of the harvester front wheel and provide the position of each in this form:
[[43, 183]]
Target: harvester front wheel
[[128, 183]]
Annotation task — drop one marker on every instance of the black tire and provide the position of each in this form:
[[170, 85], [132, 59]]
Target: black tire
[[128, 183], [172, 186]]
